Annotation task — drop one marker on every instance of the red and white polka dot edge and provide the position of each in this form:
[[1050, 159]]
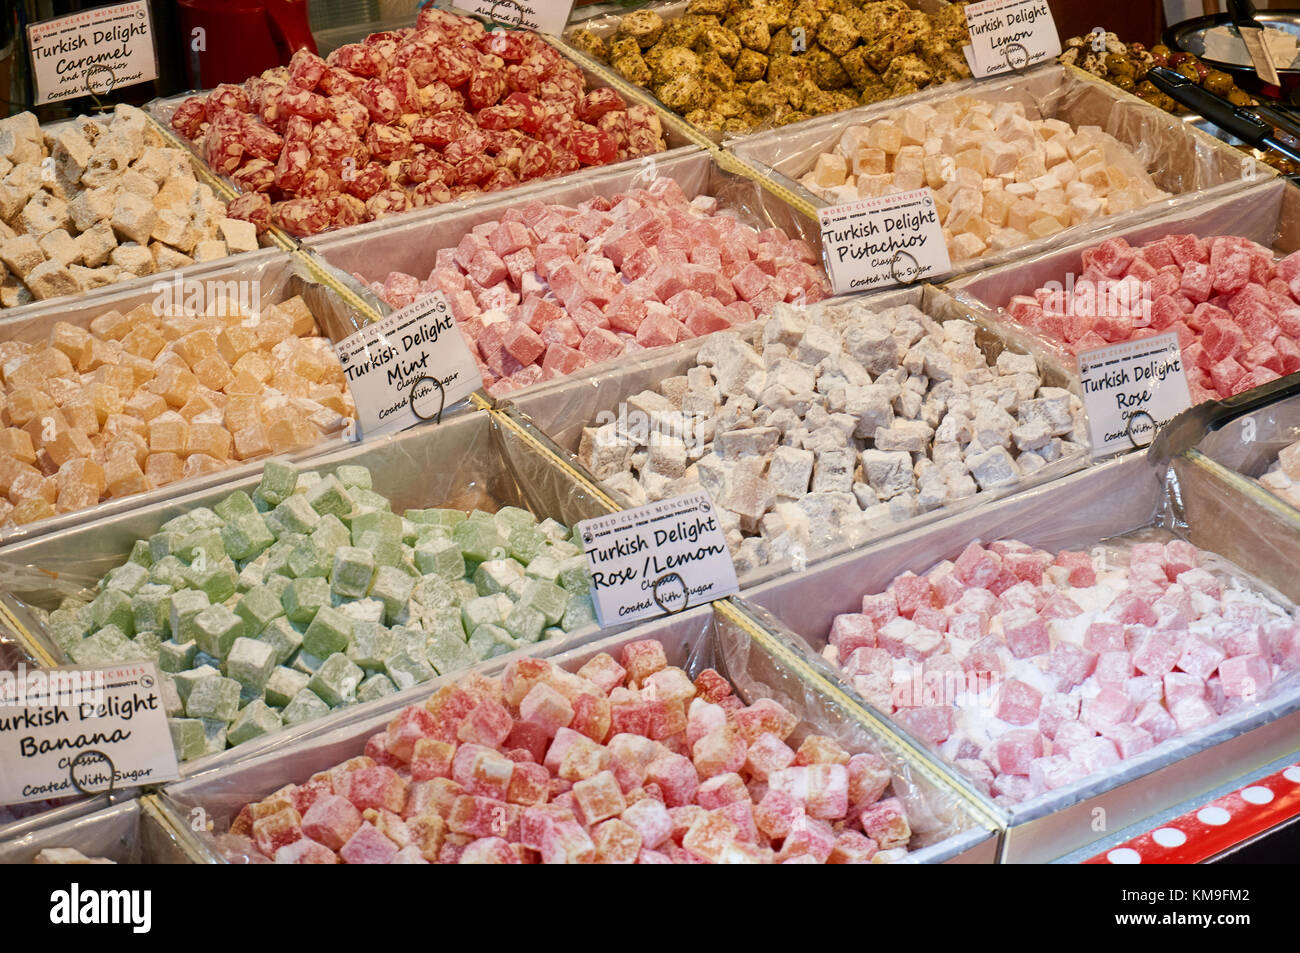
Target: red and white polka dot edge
[[1219, 825]]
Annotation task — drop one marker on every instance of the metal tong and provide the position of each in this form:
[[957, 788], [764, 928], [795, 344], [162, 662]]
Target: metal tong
[[1255, 125]]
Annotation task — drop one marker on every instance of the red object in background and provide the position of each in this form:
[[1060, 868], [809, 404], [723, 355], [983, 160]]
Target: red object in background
[[241, 38]]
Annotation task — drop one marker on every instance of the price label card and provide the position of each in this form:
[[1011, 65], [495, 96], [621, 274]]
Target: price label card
[[544, 16], [1131, 390], [408, 367], [657, 559], [890, 240], [1007, 35], [70, 731], [94, 51]]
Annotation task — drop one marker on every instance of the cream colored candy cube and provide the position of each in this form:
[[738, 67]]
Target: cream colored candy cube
[[169, 433], [829, 170], [885, 135]]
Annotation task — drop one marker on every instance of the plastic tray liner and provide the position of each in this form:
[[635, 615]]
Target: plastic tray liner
[[164, 108], [273, 275], [1101, 511], [1194, 167], [410, 244], [561, 410], [467, 462], [1267, 213], [130, 832], [607, 25], [944, 827]]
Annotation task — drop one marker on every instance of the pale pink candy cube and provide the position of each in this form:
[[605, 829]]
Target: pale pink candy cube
[[1023, 595], [1215, 695], [482, 771], [368, 846], [630, 755], [1108, 707], [1156, 721], [1025, 633], [977, 566], [331, 820], [765, 715], [885, 822], [1113, 668], [1180, 557], [604, 671], [792, 782], [1015, 750], [880, 607], [933, 724], [1152, 553], [1095, 754], [869, 662], [1143, 689], [616, 842], [1104, 637], [979, 601], [675, 775], [828, 791], [869, 776], [1199, 657], [1129, 609], [1245, 676], [702, 718], [1284, 643], [1069, 734], [852, 847], [776, 814], [1013, 788], [1129, 739], [1158, 652], [1018, 703], [1191, 713], [307, 851], [720, 751], [1200, 580], [651, 820], [1241, 638], [1182, 685], [652, 857], [852, 631], [565, 738], [565, 842], [1054, 771], [545, 707], [812, 839], [1056, 709], [488, 724], [968, 626], [720, 790], [1071, 664], [1175, 609], [741, 813], [489, 850]]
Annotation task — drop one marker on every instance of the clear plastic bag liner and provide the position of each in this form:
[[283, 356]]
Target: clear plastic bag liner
[[1218, 508], [1268, 213], [695, 639], [562, 409], [467, 462], [1102, 511], [129, 832], [607, 25], [272, 276], [111, 832], [163, 109], [1192, 166]]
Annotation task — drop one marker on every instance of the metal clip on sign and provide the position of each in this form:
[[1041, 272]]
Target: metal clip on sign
[[909, 273], [1017, 57], [442, 403]]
